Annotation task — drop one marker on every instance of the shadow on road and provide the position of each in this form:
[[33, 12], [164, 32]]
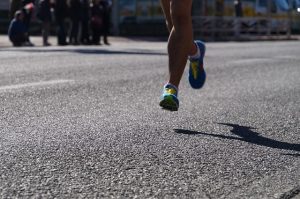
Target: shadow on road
[[293, 155], [246, 134], [89, 51]]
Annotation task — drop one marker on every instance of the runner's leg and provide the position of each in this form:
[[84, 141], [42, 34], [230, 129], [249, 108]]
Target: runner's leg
[[165, 4], [180, 43]]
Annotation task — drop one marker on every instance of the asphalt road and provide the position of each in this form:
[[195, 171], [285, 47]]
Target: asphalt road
[[84, 122]]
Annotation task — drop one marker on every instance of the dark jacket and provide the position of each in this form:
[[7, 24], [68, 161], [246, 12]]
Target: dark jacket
[[97, 10], [106, 12], [61, 10], [75, 10], [16, 28], [85, 10], [97, 16], [44, 10]]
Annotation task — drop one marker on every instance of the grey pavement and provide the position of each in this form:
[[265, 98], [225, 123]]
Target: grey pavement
[[84, 122], [38, 40]]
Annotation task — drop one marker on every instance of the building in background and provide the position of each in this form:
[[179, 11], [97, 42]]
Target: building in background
[[214, 19], [139, 17]]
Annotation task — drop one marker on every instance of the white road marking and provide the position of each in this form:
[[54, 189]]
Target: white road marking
[[35, 84]]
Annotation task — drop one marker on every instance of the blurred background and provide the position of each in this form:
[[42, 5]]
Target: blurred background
[[213, 19]]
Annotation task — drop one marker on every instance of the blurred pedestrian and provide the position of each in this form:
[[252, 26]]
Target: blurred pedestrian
[[44, 14], [28, 9], [75, 19], [238, 8], [106, 5], [17, 31], [85, 17], [61, 10], [96, 21]]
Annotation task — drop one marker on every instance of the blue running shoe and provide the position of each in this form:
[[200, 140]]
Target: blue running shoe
[[169, 99], [197, 75]]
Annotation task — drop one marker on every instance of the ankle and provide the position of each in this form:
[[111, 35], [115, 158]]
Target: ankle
[[171, 85], [196, 52]]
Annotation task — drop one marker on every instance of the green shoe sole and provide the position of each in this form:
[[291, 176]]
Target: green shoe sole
[[169, 103]]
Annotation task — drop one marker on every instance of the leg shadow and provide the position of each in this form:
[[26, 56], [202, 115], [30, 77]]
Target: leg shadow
[[246, 134]]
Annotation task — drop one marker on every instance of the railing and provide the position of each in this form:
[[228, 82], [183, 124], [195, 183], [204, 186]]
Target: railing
[[245, 28]]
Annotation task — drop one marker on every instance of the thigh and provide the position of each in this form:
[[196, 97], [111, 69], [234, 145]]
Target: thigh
[[181, 7], [181, 11]]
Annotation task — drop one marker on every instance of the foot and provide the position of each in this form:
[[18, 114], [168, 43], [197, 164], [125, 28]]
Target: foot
[[169, 99], [197, 75]]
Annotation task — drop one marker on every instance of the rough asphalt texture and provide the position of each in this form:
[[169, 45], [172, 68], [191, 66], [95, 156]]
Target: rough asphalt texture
[[82, 122]]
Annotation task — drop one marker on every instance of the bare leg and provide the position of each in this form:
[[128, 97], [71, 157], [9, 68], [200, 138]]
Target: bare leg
[[180, 44], [166, 6]]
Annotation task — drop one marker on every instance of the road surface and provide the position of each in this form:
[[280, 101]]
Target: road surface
[[82, 122]]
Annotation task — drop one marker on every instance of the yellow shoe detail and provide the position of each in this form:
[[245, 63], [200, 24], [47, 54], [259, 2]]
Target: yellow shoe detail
[[194, 66], [170, 91]]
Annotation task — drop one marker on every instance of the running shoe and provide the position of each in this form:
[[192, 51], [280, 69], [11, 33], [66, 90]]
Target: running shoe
[[197, 75], [169, 100]]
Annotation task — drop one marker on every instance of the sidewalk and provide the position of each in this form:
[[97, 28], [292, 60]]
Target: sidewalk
[[38, 40], [4, 41]]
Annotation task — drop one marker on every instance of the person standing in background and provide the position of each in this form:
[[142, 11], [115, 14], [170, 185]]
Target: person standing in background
[[61, 10], [96, 21], [44, 14], [75, 18], [238, 8], [107, 6], [28, 8], [85, 16]]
